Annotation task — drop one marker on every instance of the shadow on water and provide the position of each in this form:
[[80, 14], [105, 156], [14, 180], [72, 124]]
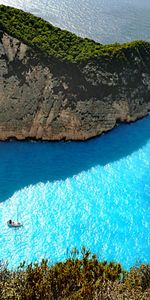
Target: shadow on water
[[25, 163]]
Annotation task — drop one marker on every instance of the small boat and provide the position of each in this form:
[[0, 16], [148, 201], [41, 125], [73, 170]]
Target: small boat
[[10, 223]]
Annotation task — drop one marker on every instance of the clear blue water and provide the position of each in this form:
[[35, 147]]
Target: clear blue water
[[106, 21], [93, 193]]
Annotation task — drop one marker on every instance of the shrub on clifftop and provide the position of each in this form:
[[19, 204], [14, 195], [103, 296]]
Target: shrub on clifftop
[[77, 278], [59, 43]]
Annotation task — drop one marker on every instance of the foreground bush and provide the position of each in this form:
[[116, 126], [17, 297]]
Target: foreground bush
[[79, 277]]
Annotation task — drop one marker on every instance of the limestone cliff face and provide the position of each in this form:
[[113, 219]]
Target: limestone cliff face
[[43, 98]]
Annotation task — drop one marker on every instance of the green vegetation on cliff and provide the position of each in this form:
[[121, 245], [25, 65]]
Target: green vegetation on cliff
[[59, 43], [79, 277]]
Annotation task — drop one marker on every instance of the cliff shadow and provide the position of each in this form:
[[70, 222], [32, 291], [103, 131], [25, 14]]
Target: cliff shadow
[[27, 163]]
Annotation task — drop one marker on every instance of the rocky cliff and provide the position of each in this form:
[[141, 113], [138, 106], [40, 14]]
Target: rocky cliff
[[49, 99]]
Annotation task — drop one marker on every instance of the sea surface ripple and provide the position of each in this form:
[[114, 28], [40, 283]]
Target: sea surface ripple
[[93, 193], [105, 21]]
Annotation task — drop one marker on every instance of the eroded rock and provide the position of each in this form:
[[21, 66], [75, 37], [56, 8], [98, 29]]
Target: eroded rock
[[43, 98]]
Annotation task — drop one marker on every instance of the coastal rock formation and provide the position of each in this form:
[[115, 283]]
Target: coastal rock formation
[[46, 98]]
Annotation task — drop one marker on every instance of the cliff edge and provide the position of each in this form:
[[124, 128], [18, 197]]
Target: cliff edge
[[50, 98]]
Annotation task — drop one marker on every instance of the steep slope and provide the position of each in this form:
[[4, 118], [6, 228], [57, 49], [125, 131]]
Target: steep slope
[[52, 96]]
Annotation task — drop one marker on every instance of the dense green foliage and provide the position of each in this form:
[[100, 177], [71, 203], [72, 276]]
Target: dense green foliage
[[60, 43], [79, 277]]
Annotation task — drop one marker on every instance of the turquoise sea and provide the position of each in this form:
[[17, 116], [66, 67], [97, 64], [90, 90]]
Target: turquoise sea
[[93, 193]]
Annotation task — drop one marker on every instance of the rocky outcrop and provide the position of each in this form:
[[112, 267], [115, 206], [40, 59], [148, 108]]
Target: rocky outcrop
[[44, 98]]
